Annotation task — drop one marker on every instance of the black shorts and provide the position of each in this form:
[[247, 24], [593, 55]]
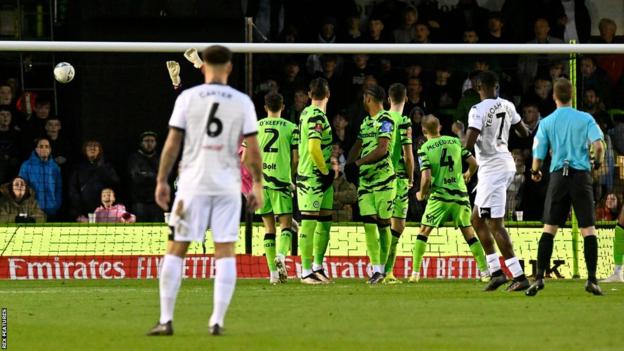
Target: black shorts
[[574, 189]]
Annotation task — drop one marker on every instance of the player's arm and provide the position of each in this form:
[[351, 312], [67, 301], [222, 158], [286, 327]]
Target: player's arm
[[521, 129], [314, 148], [380, 151], [475, 123], [540, 149], [355, 151], [294, 162], [597, 138], [425, 185], [168, 157], [408, 157], [253, 162], [472, 168]]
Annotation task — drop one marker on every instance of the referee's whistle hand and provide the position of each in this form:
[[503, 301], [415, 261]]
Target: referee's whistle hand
[[537, 177], [162, 195]]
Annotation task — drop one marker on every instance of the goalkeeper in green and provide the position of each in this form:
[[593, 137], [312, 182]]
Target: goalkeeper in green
[[377, 188], [444, 184], [403, 163], [278, 141]]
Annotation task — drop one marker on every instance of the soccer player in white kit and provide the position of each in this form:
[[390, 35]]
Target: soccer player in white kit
[[209, 120], [489, 123]]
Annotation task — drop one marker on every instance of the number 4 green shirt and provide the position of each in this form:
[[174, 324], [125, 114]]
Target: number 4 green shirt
[[313, 124], [277, 138], [444, 156]]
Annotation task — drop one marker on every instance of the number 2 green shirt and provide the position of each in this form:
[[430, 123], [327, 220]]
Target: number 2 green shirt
[[277, 138]]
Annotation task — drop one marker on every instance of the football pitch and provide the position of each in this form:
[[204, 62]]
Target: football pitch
[[347, 315]]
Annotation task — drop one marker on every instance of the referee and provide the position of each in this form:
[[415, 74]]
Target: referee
[[567, 133]]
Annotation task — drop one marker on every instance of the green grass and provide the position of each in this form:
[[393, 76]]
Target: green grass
[[348, 315]]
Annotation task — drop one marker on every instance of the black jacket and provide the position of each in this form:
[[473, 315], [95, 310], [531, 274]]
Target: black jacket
[[143, 170], [86, 184]]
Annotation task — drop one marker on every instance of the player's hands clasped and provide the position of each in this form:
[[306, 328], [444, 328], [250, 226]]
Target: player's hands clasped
[[162, 195]]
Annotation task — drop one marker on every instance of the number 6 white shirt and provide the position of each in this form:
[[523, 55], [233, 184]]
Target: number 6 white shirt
[[493, 118], [214, 119]]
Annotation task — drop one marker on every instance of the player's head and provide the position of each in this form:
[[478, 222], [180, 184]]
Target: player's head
[[431, 126], [397, 93], [562, 91], [218, 59], [273, 103], [487, 83], [319, 89], [374, 97]]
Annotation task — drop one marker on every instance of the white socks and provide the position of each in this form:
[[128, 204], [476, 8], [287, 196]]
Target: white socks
[[225, 281], [170, 279], [316, 267], [514, 267], [493, 262], [305, 272]]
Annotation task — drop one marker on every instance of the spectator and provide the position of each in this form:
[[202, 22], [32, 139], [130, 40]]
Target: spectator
[[340, 127], [422, 34], [300, 102], [612, 64], [593, 105], [469, 98], [110, 212], [143, 168], [415, 96], [556, 71], [43, 174], [6, 95], [609, 208], [388, 75], [326, 35], [495, 26], [376, 33], [470, 36], [514, 191], [18, 203], [443, 95], [459, 130], [61, 147], [529, 65], [88, 179], [345, 196], [596, 78], [468, 14], [353, 34], [531, 118], [292, 78], [407, 32], [573, 22], [355, 75], [330, 71], [9, 145], [542, 96], [36, 124]]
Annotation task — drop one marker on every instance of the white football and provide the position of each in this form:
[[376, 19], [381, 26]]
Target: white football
[[64, 72]]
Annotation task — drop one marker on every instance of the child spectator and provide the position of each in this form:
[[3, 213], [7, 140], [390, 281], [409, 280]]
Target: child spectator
[[609, 208], [110, 212], [43, 174], [18, 203]]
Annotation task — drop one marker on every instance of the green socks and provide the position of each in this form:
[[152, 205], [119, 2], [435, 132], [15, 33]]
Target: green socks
[[306, 235], [392, 254], [269, 250], [618, 245], [372, 243], [419, 251], [321, 240], [384, 244], [285, 242], [478, 253]]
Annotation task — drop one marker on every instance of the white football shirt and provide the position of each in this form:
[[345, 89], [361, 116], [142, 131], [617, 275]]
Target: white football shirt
[[214, 119], [494, 118]]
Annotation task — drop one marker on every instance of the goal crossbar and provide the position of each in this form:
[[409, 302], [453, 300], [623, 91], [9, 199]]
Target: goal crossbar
[[297, 48]]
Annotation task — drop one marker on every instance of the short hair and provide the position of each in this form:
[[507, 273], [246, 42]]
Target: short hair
[[376, 92], [431, 124], [563, 90], [606, 22], [397, 92], [217, 55], [40, 139], [40, 101], [488, 79], [319, 88], [274, 101]]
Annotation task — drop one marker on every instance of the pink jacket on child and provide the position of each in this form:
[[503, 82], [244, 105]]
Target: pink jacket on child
[[114, 214]]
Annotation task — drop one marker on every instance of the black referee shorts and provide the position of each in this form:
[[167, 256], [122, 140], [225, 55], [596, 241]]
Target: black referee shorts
[[574, 189]]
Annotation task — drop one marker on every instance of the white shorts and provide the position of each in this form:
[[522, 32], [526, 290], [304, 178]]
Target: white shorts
[[492, 193], [192, 215]]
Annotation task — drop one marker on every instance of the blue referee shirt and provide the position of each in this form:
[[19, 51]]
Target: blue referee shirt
[[568, 133]]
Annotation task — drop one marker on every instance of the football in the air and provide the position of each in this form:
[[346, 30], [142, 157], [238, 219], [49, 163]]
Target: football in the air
[[64, 72]]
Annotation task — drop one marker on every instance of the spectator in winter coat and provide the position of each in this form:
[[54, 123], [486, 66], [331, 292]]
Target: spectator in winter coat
[[18, 203], [89, 178], [9, 145], [110, 212], [44, 176], [143, 168]]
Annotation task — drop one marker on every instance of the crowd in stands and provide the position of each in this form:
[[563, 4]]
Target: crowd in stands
[[44, 179]]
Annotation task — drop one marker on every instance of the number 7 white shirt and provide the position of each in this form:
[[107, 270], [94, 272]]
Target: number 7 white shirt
[[493, 118], [214, 119]]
